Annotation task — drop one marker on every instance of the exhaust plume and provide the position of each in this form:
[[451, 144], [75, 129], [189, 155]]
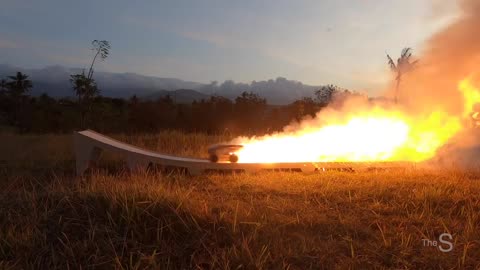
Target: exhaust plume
[[435, 100], [450, 56]]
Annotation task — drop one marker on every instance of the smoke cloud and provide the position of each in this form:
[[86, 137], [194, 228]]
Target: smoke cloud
[[451, 55]]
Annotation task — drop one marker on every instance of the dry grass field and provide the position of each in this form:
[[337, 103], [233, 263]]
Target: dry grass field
[[50, 219]]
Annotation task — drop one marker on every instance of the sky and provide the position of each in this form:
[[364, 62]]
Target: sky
[[317, 42]]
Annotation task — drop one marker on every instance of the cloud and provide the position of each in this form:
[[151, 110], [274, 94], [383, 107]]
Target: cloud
[[65, 59], [8, 44], [16, 4], [31, 52], [443, 8], [212, 38]]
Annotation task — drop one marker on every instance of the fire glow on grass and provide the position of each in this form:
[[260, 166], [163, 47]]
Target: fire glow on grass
[[366, 134]]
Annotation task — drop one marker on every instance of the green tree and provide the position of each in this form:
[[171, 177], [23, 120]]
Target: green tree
[[250, 110], [133, 100], [85, 86], [17, 89], [102, 49], [85, 89], [3, 86], [302, 107], [326, 93], [5, 104], [19, 85], [403, 66]]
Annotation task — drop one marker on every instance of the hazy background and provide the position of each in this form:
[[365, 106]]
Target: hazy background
[[315, 42]]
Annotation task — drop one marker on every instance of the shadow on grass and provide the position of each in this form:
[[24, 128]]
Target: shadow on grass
[[88, 230], [72, 230]]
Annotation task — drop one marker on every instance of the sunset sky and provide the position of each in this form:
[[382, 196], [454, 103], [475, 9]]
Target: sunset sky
[[317, 42]]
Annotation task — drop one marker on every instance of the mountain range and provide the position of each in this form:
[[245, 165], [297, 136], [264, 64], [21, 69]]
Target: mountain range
[[54, 80]]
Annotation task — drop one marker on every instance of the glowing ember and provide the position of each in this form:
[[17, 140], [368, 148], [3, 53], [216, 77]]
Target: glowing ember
[[366, 134]]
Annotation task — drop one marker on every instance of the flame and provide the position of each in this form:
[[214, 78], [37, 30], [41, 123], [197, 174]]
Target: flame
[[365, 134], [470, 93]]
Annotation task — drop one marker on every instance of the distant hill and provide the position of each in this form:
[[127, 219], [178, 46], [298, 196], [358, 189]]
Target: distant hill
[[54, 80], [179, 96]]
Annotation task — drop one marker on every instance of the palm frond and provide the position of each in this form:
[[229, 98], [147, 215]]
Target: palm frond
[[391, 63], [406, 53]]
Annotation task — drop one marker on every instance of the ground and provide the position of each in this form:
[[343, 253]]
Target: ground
[[49, 218]]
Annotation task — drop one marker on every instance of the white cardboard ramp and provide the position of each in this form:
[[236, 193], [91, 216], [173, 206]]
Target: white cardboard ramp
[[89, 145]]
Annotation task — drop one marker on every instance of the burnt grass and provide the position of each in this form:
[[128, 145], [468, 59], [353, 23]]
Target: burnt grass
[[51, 219]]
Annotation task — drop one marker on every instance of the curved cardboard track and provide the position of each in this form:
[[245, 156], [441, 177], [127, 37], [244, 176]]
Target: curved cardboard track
[[89, 145]]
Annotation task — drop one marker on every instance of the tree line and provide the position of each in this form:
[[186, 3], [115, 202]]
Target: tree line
[[248, 113]]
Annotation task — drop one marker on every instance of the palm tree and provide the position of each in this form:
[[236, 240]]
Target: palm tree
[[17, 88], [3, 86], [85, 86], [19, 85], [85, 89], [102, 49], [402, 66]]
